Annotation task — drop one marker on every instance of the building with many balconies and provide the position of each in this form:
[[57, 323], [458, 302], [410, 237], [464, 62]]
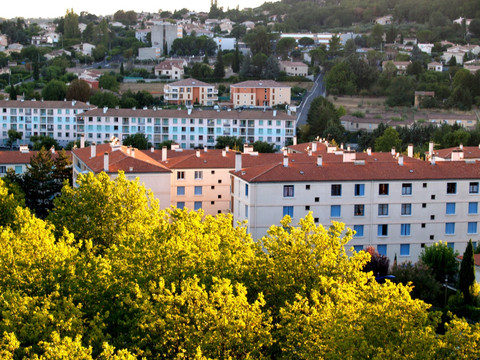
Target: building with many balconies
[[259, 93], [189, 92]]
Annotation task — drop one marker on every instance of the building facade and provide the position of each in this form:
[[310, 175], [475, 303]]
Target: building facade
[[189, 128], [189, 92], [56, 119], [259, 93], [396, 204], [294, 68]]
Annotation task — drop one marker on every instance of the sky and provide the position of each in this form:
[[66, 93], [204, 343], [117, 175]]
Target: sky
[[57, 8]]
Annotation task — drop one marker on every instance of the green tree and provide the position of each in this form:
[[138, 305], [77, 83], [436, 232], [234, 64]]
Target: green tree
[[390, 139], [264, 147], [54, 90], [109, 82], [285, 46], [321, 115], [8, 204], [104, 98], [71, 30], [13, 136], [306, 41], [441, 260], [138, 141], [341, 79], [334, 47], [271, 69], [42, 141], [236, 60], [258, 40], [219, 70], [466, 278], [232, 142], [13, 92], [400, 91], [78, 90]]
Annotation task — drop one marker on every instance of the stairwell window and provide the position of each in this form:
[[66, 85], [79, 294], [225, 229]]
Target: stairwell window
[[288, 190]]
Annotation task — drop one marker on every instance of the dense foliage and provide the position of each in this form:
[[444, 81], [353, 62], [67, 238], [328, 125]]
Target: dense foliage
[[176, 284]]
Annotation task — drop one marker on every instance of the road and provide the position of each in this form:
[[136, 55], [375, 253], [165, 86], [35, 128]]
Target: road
[[318, 89]]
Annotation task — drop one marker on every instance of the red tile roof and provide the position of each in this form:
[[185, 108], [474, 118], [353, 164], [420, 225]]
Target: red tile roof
[[258, 84], [190, 82], [17, 157], [44, 104], [119, 160], [469, 152]]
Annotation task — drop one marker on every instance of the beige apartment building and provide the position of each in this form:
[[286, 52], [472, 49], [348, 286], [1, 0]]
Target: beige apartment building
[[259, 93], [190, 92]]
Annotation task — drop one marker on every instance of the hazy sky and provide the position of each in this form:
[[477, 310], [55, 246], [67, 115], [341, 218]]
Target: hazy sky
[[57, 8]]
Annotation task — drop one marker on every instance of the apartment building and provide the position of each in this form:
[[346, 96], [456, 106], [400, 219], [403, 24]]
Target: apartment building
[[259, 93], [395, 203], [189, 92], [171, 68], [294, 68], [189, 128], [56, 119]]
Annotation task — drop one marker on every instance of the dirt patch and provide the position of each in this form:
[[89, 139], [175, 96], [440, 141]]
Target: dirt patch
[[357, 103], [156, 89]]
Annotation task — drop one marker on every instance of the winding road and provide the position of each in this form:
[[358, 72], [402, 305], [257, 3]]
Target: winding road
[[318, 89]]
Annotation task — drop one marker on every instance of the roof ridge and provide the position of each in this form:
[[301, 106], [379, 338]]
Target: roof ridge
[[264, 172]]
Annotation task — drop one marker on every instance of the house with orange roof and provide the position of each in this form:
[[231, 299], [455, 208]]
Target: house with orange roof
[[259, 93], [395, 203], [172, 69]]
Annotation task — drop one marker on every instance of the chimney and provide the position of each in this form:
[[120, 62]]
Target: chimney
[[349, 156], [430, 148], [369, 151], [432, 160], [129, 150], [309, 152], [227, 148], [410, 150], [461, 147], [393, 151], [164, 153], [314, 146], [400, 160], [285, 151], [238, 161], [205, 148], [295, 140], [274, 113], [152, 149], [224, 153], [197, 153], [285, 160], [93, 150], [341, 146], [319, 160], [52, 149], [82, 142], [457, 154], [133, 152], [105, 162], [105, 109]]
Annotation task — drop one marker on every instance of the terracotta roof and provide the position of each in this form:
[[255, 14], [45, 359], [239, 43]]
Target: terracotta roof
[[17, 157], [259, 84], [167, 64], [198, 114], [469, 152], [119, 160], [45, 104], [293, 63], [304, 147], [189, 82], [378, 166]]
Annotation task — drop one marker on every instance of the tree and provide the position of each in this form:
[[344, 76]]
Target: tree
[[13, 92], [232, 142], [321, 115], [219, 70], [400, 91], [440, 258], [285, 46], [474, 27], [391, 34], [467, 274], [390, 139], [236, 60], [258, 40], [138, 141], [246, 68], [54, 90], [70, 26], [264, 147], [378, 264], [78, 90], [42, 141], [105, 211], [103, 98], [341, 79], [271, 69], [334, 47], [8, 204], [109, 82], [306, 41], [13, 136]]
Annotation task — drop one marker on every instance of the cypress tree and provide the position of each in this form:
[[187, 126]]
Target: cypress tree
[[467, 273], [236, 60], [219, 71]]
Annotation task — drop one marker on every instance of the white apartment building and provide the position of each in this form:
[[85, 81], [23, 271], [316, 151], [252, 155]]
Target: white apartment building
[[189, 128], [56, 119], [396, 204]]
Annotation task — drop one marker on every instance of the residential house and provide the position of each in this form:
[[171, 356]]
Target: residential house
[[141, 35], [294, 68], [401, 66], [458, 153], [395, 203], [435, 66], [190, 92], [259, 93], [172, 69], [371, 121], [426, 48], [84, 48], [225, 43], [384, 20], [3, 40]]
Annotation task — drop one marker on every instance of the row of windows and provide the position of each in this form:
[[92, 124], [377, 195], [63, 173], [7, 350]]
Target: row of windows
[[383, 189], [382, 249], [382, 229]]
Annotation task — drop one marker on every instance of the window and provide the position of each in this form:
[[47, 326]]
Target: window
[[3, 169], [288, 191], [246, 211], [451, 245], [472, 208], [382, 250], [359, 190], [404, 249], [406, 209], [359, 210], [449, 228], [432, 197], [406, 189], [336, 190], [382, 209], [451, 188], [358, 230], [450, 210], [288, 210], [423, 225], [317, 199], [383, 189], [424, 205], [382, 230], [473, 188], [180, 205], [246, 189], [335, 211], [181, 175], [197, 205], [432, 217], [180, 190], [307, 208], [307, 187], [472, 228], [405, 230], [198, 190], [198, 175], [358, 248]]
